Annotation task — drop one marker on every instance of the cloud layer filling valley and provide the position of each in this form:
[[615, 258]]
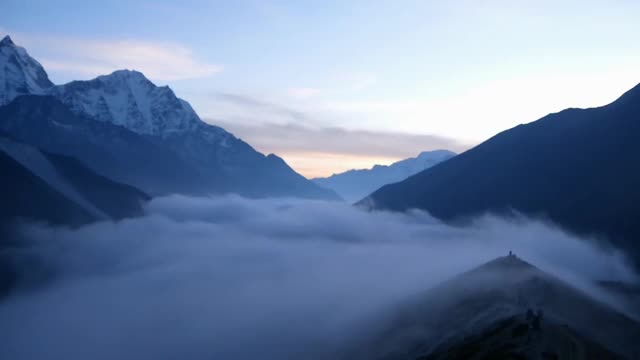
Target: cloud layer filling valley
[[231, 278]]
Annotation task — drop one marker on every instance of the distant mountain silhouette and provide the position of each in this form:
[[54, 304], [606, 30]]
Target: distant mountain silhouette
[[579, 168], [353, 185]]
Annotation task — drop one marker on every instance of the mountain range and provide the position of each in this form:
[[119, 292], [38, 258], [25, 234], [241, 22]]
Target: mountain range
[[124, 127], [99, 149], [353, 185], [578, 168]]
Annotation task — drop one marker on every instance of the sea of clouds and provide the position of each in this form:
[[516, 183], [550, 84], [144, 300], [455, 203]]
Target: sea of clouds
[[232, 278]]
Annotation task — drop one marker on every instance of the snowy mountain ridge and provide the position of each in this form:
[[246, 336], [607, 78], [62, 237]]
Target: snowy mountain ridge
[[354, 185], [20, 74], [125, 97], [193, 156]]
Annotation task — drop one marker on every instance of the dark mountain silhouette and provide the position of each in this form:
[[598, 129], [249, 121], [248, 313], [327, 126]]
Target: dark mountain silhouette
[[515, 338], [578, 168], [117, 200], [25, 195], [56, 189]]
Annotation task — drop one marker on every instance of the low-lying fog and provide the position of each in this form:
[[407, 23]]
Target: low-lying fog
[[231, 278]]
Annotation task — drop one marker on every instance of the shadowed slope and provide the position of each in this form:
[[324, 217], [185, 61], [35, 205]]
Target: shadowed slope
[[578, 167], [473, 302], [515, 338]]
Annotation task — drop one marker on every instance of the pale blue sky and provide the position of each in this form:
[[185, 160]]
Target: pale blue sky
[[337, 84]]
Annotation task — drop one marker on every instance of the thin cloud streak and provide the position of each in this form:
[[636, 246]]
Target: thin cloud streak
[[322, 151], [84, 57], [281, 138], [279, 127], [258, 107], [310, 147]]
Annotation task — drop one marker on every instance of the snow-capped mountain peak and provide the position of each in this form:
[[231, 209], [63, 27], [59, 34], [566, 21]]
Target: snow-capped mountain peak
[[124, 112], [20, 74], [127, 98]]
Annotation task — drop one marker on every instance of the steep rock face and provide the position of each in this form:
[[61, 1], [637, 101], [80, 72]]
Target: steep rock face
[[128, 99], [20, 74], [353, 185]]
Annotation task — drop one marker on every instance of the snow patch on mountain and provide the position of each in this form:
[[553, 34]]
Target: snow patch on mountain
[[127, 98]]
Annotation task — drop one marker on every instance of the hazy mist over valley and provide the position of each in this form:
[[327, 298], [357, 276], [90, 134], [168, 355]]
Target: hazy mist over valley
[[236, 278]]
